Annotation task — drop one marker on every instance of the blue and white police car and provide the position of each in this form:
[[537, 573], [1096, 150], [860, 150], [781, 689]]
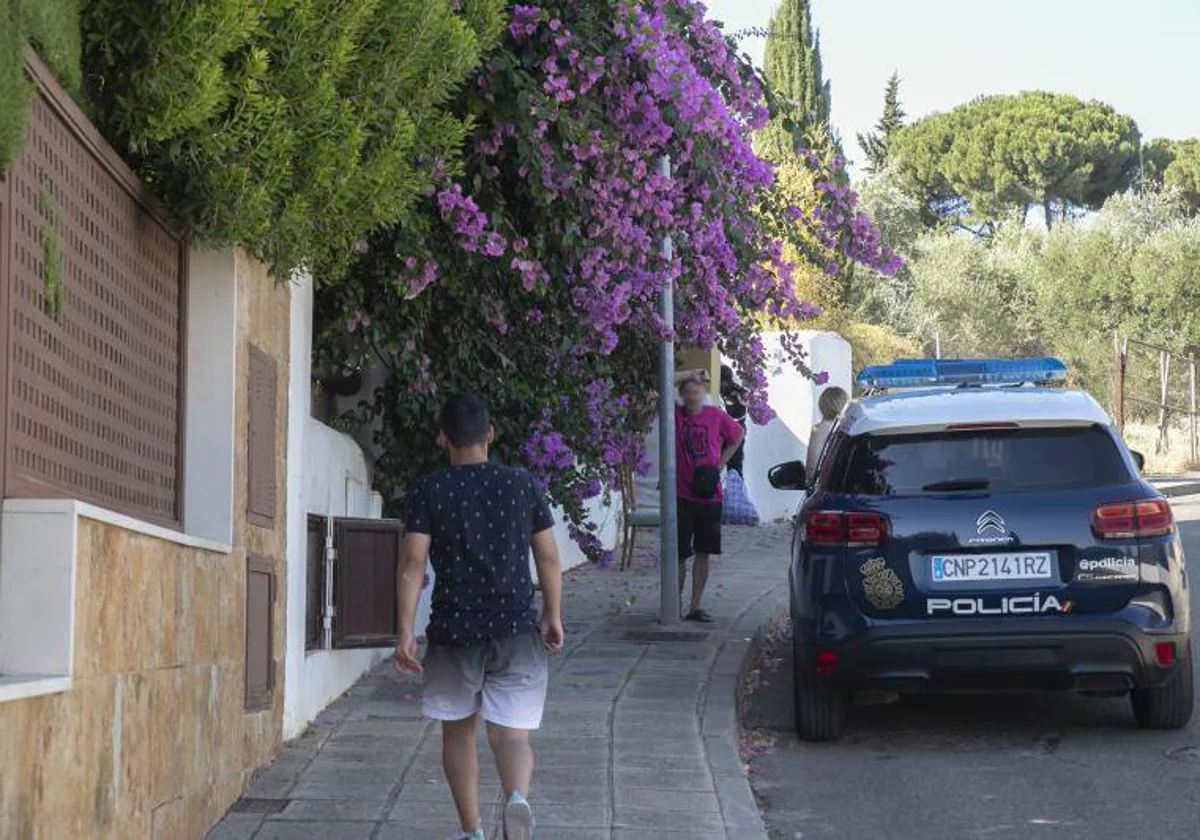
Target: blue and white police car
[[972, 527]]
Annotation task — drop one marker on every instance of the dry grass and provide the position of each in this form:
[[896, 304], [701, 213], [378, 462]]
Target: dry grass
[[1175, 460]]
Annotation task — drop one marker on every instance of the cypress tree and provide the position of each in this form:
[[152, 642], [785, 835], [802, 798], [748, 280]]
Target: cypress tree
[[792, 66], [876, 143]]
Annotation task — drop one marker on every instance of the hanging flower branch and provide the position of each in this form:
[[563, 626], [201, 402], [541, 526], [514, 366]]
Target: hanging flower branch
[[536, 275]]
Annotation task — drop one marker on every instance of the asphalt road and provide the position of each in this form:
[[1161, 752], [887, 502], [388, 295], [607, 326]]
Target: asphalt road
[[1016, 766]]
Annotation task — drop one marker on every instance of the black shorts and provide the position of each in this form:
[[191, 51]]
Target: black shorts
[[699, 528]]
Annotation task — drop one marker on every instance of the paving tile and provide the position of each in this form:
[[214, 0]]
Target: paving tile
[[575, 777], [383, 728], [662, 780], [657, 834], [439, 791], [438, 812], [378, 791], [654, 819], [666, 747], [403, 831], [550, 760], [550, 791], [556, 816], [653, 761], [315, 831], [235, 827], [692, 801], [332, 810], [682, 730], [359, 774]]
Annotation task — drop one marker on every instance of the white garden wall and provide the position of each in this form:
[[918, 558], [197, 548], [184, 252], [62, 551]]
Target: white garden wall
[[328, 476], [794, 399]]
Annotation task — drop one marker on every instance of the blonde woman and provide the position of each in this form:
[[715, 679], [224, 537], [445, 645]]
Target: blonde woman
[[831, 402]]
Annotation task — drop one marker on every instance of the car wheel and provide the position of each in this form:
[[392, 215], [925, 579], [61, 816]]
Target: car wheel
[[1170, 705], [819, 711]]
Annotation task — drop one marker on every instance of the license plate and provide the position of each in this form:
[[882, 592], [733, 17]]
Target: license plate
[[973, 568]]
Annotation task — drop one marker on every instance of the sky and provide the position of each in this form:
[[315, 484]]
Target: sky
[[1140, 56]]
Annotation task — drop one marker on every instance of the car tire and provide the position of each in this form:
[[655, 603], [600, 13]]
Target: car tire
[[819, 711], [1168, 706]]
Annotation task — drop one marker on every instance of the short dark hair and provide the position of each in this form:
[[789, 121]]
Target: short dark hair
[[464, 420]]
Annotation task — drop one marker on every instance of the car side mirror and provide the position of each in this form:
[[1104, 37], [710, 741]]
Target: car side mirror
[[1139, 459], [788, 476]]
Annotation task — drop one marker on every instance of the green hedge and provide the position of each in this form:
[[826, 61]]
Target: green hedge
[[291, 127]]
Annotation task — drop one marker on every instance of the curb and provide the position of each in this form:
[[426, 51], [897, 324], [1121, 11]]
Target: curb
[[720, 729], [1183, 488]]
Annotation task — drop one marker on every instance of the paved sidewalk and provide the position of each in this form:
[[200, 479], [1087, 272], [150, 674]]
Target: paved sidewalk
[[639, 739], [1176, 485]]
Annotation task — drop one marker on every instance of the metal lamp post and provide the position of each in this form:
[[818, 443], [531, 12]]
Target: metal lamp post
[[667, 506]]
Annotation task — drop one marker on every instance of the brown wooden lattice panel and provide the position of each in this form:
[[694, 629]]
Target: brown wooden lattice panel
[[95, 384]]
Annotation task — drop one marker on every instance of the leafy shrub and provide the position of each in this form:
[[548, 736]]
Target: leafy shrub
[[292, 127], [52, 26]]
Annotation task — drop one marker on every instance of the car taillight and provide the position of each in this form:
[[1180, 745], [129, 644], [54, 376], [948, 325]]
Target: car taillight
[[1164, 654], [824, 527], [827, 661], [834, 527], [1126, 520], [866, 528]]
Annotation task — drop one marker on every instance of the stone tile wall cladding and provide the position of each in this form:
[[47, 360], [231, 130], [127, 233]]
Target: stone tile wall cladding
[[152, 740]]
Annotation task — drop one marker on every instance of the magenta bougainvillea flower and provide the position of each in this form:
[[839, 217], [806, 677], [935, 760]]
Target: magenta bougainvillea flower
[[537, 277]]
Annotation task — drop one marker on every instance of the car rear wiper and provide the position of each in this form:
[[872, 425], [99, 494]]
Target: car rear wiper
[[957, 484]]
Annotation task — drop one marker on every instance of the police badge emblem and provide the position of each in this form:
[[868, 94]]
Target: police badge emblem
[[882, 585]]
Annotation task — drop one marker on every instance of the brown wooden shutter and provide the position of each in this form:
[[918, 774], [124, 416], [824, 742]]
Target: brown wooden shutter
[[314, 607], [260, 468], [368, 553], [260, 637]]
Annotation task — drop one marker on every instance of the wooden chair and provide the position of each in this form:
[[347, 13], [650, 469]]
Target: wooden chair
[[632, 517]]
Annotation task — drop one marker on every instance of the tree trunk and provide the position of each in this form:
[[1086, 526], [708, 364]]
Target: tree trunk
[[1048, 209]]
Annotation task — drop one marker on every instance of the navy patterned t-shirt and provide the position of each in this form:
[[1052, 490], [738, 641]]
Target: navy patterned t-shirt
[[480, 519]]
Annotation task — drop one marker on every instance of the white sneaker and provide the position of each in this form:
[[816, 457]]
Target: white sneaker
[[518, 818], [470, 835]]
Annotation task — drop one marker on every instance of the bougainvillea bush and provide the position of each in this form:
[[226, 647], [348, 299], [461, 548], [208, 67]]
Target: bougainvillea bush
[[535, 276]]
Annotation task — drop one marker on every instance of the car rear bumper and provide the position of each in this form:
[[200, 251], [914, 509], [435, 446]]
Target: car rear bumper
[[945, 659]]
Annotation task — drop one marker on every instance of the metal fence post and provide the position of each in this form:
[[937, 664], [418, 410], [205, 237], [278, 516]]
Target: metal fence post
[[667, 505], [1164, 417], [1192, 408], [1118, 382]]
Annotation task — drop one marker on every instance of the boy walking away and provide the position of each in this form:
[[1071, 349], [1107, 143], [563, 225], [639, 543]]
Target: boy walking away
[[706, 438], [476, 522]]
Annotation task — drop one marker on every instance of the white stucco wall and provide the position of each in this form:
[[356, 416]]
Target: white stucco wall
[[794, 399], [785, 438], [608, 517], [328, 475]]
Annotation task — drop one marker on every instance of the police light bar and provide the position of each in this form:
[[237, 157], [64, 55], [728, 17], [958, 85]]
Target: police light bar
[[924, 373]]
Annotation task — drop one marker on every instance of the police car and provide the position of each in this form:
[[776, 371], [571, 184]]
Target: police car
[[972, 527]]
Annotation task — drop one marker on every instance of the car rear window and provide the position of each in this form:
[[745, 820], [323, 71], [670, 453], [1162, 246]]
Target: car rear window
[[998, 460]]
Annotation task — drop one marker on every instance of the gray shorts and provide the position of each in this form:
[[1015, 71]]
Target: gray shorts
[[505, 679]]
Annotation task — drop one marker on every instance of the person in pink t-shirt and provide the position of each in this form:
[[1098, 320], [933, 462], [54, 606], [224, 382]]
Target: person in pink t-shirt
[[705, 439]]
